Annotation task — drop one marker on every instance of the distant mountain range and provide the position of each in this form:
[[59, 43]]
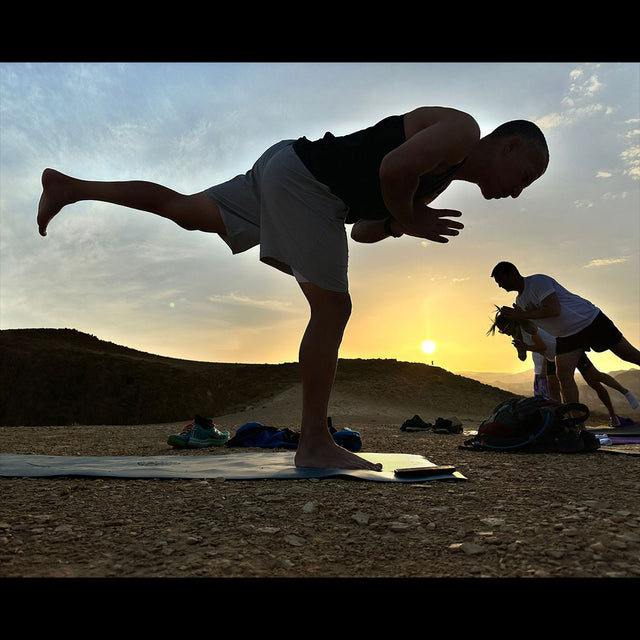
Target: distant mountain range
[[522, 384]]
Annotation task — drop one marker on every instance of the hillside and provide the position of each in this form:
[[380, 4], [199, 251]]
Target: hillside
[[65, 377]]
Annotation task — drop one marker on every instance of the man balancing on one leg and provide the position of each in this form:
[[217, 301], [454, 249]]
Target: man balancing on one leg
[[295, 202]]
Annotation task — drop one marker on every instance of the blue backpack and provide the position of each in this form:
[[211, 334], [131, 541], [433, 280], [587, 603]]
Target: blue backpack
[[534, 425]]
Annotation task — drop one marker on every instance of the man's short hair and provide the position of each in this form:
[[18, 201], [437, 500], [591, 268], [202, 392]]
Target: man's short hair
[[523, 129], [504, 267]]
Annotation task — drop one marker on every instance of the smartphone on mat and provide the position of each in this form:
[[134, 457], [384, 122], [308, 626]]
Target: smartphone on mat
[[420, 472]]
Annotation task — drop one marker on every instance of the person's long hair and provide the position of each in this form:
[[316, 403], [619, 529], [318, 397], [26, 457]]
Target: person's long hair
[[505, 325]]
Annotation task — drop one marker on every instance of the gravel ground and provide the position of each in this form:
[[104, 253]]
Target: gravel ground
[[517, 515]]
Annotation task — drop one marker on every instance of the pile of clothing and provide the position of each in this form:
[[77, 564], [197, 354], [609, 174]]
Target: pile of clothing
[[202, 432]]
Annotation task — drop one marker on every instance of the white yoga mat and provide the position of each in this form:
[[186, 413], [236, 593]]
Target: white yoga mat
[[246, 465]]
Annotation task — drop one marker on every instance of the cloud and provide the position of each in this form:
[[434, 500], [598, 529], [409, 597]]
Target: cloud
[[235, 299], [620, 195], [604, 262], [581, 204], [631, 155], [570, 115], [578, 103], [583, 101], [585, 84]]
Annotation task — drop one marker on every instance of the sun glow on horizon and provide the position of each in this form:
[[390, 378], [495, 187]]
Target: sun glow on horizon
[[428, 346]]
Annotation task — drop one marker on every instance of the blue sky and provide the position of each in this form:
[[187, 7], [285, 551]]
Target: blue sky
[[135, 279]]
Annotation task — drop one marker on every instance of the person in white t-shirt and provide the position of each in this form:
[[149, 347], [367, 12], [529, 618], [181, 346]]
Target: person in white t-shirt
[[576, 323], [527, 337]]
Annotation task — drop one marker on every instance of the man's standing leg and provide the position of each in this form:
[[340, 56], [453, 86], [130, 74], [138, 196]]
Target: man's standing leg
[[330, 313], [566, 364]]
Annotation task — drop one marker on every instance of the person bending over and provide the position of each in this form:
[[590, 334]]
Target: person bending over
[[576, 323], [296, 200], [527, 337]]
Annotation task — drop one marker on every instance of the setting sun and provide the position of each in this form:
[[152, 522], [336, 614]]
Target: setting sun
[[428, 346]]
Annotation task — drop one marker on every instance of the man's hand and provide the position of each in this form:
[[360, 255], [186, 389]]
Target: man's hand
[[521, 348], [548, 308], [513, 313], [432, 224]]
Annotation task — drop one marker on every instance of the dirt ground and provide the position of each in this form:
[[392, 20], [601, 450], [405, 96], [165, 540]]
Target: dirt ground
[[516, 516]]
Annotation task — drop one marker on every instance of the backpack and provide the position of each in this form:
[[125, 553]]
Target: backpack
[[534, 425]]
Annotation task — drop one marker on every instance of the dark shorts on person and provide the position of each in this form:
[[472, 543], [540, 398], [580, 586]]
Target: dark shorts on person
[[600, 335]]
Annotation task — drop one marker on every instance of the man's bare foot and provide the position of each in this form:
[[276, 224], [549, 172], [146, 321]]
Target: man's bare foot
[[331, 456], [54, 197]]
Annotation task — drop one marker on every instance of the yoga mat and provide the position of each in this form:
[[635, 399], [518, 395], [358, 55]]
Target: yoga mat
[[624, 430], [622, 449], [250, 465]]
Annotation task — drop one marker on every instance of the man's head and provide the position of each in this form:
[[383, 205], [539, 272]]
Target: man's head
[[514, 155], [507, 276]]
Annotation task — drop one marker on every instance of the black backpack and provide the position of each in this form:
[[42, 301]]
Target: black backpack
[[534, 425]]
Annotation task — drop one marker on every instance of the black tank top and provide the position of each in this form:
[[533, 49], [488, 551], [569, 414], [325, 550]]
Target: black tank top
[[350, 166]]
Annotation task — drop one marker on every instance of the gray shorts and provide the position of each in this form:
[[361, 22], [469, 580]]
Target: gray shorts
[[296, 220]]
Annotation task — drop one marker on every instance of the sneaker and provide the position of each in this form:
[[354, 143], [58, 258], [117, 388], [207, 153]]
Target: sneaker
[[180, 440], [447, 425], [416, 424], [205, 434]]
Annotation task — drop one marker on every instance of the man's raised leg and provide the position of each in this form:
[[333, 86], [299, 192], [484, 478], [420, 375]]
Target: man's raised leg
[[626, 351], [192, 212], [330, 313]]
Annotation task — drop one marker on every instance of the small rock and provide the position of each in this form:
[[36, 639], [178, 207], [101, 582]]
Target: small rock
[[63, 528], [492, 522], [310, 507], [466, 547], [617, 544], [361, 518]]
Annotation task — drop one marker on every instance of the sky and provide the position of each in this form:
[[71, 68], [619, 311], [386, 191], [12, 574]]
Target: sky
[[137, 280]]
